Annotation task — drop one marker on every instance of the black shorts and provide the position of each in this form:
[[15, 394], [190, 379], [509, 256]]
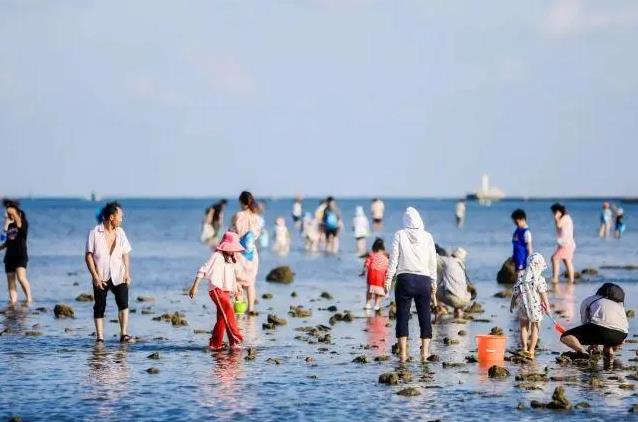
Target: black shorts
[[11, 263], [377, 220], [296, 218], [592, 334], [332, 232], [121, 298]]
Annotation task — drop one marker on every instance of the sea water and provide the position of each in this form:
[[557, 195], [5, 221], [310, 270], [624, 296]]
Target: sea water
[[63, 375]]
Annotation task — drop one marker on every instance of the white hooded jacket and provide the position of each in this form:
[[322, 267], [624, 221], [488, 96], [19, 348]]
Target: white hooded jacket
[[413, 249]]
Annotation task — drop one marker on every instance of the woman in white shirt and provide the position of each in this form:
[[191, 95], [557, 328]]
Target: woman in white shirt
[[413, 260]]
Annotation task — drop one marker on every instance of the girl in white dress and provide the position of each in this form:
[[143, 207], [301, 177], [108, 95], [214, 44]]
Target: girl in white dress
[[530, 299]]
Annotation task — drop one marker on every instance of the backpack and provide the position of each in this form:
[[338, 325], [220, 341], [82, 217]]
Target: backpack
[[612, 291], [330, 220]]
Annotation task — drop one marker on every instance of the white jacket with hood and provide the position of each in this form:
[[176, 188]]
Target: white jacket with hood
[[413, 249]]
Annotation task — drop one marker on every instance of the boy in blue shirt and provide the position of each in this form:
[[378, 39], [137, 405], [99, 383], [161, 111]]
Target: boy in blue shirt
[[521, 240]]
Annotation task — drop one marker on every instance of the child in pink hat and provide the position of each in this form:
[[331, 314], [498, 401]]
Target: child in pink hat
[[222, 273]]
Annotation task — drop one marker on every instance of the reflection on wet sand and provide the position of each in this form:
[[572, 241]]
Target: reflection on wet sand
[[107, 378], [377, 334]]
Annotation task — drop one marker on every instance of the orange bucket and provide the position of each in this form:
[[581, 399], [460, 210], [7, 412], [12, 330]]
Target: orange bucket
[[491, 348]]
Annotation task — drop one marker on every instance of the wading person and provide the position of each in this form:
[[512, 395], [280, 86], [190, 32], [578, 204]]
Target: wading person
[[413, 260], [247, 224], [16, 229], [107, 258], [565, 241]]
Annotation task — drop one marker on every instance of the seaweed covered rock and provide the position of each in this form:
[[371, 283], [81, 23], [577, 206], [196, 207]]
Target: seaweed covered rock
[[409, 392], [497, 331], [178, 320], [299, 312], [275, 320], [503, 294], [325, 295], [63, 311], [251, 354], [559, 400], [507, 273], [360, 359], [84, 297], [281, 274], [496, 371], [266, 296], [474, 308], [390, 378]]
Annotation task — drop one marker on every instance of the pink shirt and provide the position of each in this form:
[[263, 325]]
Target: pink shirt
[[219, 273], [565, 231], [110, 266]]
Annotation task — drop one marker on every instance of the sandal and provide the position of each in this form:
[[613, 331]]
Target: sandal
[[126, 339]]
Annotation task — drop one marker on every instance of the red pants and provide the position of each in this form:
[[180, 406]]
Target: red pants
[[225, 320]]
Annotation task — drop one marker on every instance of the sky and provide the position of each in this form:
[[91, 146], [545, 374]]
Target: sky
[[345, 97]]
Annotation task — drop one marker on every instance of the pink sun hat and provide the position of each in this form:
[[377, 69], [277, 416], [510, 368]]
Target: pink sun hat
[[230, 243]]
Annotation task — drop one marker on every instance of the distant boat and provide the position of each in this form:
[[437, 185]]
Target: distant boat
[[486, 194], [94, 197]]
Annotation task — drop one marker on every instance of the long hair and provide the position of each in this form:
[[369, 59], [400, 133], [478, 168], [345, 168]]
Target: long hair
[[229, 257], [12, 203], [248, 200]]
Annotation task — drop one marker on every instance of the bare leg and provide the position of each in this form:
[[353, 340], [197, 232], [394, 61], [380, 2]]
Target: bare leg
[[458, 313], [403, 349], [608, 351], [123, 317], [13, 292], [555, 268], [573, 343], [250, 294], [377, 301], [21, 273], [534, 339], [335, 245], [524, 324], [425, 349], [570, 269], [99, 328]]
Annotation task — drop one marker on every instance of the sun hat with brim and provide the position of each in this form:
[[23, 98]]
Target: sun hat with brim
[[460, 253], [230, 243]]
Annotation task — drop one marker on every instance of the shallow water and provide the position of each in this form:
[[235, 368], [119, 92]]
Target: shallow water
[[62, 375]]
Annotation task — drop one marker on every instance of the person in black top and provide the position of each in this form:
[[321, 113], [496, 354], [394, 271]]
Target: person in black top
[[16, 228]]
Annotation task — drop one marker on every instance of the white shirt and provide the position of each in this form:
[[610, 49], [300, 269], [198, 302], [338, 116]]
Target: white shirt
[[460, 209], [219, 273], [413, 250], [361, 226], [109, 266], [296, 209]]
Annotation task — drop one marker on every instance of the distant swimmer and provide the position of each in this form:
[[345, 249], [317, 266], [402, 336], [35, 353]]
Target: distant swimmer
[[297, 212], [332, 225], [281, 244], [377, 210], [361, 228], [620, 223], [460, 213], [606, 215]]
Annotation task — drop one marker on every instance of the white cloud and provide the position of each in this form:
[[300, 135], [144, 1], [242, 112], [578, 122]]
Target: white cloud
[[573, 17]]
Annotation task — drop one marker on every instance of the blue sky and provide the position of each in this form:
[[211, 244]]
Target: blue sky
[[349, 97]]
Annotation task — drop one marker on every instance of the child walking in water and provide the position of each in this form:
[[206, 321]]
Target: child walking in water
[[521, 241], [375, 267], [282, 237], [222, 272], [530, 299]]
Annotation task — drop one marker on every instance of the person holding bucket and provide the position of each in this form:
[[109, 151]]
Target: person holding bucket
[[413, 260], [223, 272], [530, 297]]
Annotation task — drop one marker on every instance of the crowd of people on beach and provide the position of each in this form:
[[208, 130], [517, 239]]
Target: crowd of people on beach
[[414, 267]]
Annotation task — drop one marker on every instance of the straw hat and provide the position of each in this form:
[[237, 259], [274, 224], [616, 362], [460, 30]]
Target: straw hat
[[460, 253], [230, 243]]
